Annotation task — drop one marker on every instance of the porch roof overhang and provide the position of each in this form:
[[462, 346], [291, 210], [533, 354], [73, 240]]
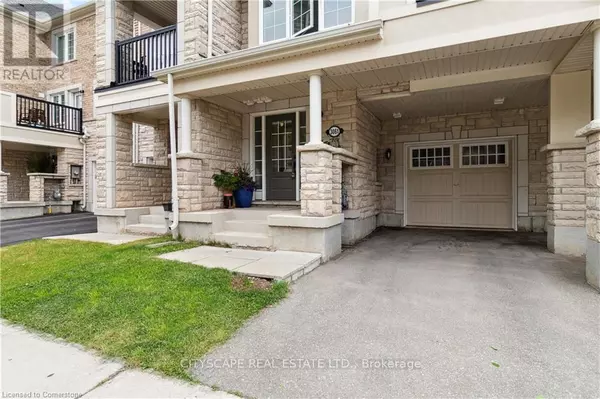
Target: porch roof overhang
[[352, 34], [380, 46]]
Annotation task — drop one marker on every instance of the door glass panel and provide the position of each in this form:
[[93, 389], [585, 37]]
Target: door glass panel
[[282, 146]]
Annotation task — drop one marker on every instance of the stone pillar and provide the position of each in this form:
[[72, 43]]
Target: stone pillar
[[592, 175], [3, 187], [189, 184], [336, 186], [316, 176], [315, 108], [566, 199], [111, 160], [36, 188], [195, 35]]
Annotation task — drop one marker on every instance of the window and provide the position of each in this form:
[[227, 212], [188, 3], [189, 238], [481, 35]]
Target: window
[[431, 157], [283, 19], [481, 155], [336, 13], [63, 45]]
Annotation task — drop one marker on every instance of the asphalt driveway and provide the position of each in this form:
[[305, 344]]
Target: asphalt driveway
[[19, 230], [450, 313]]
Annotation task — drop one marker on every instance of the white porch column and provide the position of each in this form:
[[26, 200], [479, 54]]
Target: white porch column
[[111, 160], [315, 108], [186, 125]]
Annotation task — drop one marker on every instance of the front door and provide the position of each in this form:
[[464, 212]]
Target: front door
[[281, 156]]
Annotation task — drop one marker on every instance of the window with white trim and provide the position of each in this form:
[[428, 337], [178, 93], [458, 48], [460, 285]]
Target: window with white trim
[[63, 45], [481, 155], [431, 157], [284, 19], [336, 13]]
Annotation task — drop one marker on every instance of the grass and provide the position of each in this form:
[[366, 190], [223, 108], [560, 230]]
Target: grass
[[124, 302]]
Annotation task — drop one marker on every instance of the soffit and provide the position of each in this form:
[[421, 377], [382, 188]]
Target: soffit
[[465, 99]]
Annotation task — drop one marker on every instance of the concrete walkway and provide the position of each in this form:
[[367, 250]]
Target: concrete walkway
[[106, 238], [278, 265], [49, 368]]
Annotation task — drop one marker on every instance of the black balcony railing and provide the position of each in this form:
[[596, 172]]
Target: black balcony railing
[[137, 57], [42, 114]]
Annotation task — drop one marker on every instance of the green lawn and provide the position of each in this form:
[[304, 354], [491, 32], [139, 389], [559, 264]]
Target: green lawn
[[124, 302]]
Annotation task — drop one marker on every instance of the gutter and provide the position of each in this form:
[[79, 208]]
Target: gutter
[[173, 142], [320, 41]]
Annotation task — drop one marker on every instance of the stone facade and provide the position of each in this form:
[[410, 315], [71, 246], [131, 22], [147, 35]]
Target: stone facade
[[529, 125], [217, 140], [3, 187], [360, 137], [592, 223], [37, 191], [65, 158], [228, 33], [316, 181], [136, 184]]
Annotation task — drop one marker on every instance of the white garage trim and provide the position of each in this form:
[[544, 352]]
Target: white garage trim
[[491, 140]]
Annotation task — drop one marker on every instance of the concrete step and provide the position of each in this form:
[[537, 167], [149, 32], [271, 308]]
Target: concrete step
[[277, 204], [153, 219], [247, 226], [238, 239], [148, 229], [157, 210], [253, 214]]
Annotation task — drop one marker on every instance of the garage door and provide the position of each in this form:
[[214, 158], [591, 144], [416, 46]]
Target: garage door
[[467, 184]]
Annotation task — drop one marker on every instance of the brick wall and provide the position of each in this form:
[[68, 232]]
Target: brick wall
[[15, 163], [195, 34], [530, 122], [593, 187]]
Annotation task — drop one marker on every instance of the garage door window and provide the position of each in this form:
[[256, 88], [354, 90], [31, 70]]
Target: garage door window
[[431, 157], [482, 155]]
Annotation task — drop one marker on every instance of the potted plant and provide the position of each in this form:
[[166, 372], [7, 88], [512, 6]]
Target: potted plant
[[246, 185], [227, 182]]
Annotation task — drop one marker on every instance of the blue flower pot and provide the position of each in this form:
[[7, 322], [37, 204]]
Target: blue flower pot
[[243, 197]]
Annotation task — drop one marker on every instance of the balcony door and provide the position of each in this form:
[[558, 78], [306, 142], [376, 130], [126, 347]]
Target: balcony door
[[281, 156]]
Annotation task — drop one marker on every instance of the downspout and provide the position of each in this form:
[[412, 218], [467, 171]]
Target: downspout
[[83, 140], [173, 142], [210, 30]]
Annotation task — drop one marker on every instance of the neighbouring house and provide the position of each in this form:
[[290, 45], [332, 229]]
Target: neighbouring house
[[456, 114], [46, 100], [48, 153]]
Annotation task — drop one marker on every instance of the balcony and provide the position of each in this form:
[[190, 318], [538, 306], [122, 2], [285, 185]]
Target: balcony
[[136, 58], [42, 114], [28, 120]]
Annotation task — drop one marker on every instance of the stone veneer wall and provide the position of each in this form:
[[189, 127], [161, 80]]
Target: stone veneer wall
[[217, 139], [244, 19], [65, 158], [593, 204], [530, 125], [137, 185], [15, 163], [361, 137], [227, 28]]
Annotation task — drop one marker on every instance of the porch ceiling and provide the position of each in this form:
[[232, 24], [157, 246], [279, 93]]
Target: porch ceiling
[[542, 46], [517, 93]]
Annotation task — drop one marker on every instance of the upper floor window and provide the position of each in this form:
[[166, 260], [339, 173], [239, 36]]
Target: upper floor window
[[63, 45], [283, 19]]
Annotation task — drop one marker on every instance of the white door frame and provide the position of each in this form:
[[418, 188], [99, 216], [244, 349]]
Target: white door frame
[[263, 116], [514, 156], [94, 185]]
